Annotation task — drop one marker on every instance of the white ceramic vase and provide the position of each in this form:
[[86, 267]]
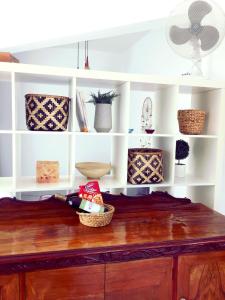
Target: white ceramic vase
[[103, 117], [180, 170]]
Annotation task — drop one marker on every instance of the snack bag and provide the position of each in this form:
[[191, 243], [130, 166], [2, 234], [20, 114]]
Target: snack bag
[[91, 192], [91, 197]]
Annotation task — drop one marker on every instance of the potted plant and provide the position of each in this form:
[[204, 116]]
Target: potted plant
[[103, 110], [182, 152]]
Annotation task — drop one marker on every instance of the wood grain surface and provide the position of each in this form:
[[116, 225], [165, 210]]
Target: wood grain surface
[[47, 234], [9, 287], [149, 279], [80, 283], [201, 276]]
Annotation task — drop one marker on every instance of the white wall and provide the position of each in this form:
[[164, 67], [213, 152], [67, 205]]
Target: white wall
[[67, 57], [152, 55]]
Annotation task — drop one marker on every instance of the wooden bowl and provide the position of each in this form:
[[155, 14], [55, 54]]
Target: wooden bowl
[[93, 170]]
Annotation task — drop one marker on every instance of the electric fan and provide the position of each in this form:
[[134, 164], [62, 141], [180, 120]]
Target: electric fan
[[195, 29]]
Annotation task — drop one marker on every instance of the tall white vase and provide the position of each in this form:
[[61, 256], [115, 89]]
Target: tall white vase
[[103, 117], [180, 170]]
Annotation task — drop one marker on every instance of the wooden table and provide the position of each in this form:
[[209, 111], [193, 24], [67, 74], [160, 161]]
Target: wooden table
[[156, 247]]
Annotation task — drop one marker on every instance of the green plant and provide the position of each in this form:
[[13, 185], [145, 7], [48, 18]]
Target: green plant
[[182, 150], [103, 98]]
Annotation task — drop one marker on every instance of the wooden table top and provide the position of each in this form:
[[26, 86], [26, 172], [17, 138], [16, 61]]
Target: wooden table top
[[151, 225]]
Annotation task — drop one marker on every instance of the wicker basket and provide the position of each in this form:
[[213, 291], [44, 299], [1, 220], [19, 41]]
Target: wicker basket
[[145, 165], [47, 113], [97, 219], [191, 121]]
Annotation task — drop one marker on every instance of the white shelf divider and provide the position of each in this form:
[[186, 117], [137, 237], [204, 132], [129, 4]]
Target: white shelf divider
[[106, 182], [193, 181], [153, 135], [218, 200], [72, 150], [120, 143], [199, 136], [51, 133], [162, 184], [14, 142], [76, 133], [26, 184]]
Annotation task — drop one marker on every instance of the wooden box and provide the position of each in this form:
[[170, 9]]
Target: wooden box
[[47, 171]]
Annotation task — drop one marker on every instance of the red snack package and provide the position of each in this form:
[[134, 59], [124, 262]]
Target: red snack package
[[91, 192]]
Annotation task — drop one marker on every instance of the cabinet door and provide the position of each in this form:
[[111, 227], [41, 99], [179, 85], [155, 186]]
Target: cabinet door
[[149, 279], [9, 287], [201, 276], [66, 284]]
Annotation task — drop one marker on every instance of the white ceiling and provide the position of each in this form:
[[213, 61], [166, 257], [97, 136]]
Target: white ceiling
[[32, 25], [113, 39]]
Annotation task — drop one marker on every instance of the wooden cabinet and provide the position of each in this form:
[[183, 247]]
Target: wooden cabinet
[[156, 248], [201, 276], [9, 287], [143, 279], [80, 283]]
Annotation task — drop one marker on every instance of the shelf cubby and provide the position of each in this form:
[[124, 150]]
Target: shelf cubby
[[166, 144], [197, 194], [107, 149], [200, 194], [119, 105], [201, 163], [31, 148], [163, 106], [39, 195], [6, 166], [5, 101], [208, 100], [38, 84]]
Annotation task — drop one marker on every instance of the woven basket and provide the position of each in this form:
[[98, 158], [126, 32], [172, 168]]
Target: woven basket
[[145, 165], [47, 113], [191, 121], [97, 219]]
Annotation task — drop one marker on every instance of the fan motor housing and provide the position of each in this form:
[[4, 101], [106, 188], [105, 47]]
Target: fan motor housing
[[196, 28]]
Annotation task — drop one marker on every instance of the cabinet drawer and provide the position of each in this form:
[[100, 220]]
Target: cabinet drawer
[[143, 279], [9, 287], [78, 283], [201, 276]]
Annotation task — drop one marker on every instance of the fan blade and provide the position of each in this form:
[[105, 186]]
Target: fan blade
[[198, 10], [179, 35], [209, 36]]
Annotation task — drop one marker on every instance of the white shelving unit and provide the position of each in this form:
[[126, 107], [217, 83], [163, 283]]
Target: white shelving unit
[[23, 148]]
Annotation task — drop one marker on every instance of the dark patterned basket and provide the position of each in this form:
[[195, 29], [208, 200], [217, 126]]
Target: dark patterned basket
[[145, 165], [47, 112]]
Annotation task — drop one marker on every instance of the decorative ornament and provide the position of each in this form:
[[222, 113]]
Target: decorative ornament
[[146, 116], [86, 60]]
